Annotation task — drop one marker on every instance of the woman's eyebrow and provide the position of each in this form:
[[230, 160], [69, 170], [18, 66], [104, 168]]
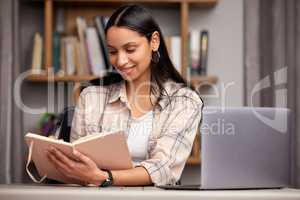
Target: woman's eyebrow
[[109, 46], [124, 45], [130, 44]]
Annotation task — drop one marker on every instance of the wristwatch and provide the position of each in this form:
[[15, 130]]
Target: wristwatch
[[109, 181]]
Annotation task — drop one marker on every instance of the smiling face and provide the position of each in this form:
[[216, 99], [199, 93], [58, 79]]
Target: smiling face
[[130, 53]]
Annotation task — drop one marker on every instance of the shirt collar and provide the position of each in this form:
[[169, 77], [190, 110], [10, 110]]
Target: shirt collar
[[118, 92]]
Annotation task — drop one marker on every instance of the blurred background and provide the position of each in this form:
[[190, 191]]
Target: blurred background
[[235, 52]]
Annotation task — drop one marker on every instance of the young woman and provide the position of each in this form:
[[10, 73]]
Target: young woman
[[146, 98]]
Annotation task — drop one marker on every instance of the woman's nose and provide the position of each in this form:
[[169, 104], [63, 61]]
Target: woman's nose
[[122, 59]]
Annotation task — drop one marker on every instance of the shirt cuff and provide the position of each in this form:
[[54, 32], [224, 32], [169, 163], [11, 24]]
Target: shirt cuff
[[160, 175]]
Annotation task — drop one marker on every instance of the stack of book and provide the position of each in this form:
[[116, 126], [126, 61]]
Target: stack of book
[[198, 52], [83, 53]]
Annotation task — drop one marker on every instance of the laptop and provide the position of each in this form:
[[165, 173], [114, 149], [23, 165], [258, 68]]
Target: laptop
[[243, 148]]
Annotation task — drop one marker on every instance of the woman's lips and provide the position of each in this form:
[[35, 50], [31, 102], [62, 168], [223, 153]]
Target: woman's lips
[[127, 70]]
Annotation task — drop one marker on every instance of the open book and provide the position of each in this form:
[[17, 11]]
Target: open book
[[109, 151]]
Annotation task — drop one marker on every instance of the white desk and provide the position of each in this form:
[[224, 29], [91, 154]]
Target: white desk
[[32, 192]]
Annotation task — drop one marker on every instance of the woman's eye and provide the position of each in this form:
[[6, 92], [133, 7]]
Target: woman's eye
[[130, 50], [112, 52]]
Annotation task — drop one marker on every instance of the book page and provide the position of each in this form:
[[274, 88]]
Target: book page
[[86, 138], [33, 136], [109, 151], [40, 147], [93, 136]]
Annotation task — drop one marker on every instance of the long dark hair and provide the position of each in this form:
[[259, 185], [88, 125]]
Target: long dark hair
[[139, 19]]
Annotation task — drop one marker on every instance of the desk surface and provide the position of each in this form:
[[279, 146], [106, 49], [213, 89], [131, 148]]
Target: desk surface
[[48, 192]]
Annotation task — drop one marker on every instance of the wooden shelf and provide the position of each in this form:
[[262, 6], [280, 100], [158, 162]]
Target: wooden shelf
[[196, 2], [73, 78], [205, 80], [114, 3], [192, 160], [196, 80]]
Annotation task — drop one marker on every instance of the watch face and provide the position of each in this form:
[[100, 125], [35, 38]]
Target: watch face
[[108, 181]]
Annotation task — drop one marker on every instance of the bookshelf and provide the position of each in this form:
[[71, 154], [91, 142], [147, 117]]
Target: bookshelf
[[68, 78], [196, 80], [90, 8]]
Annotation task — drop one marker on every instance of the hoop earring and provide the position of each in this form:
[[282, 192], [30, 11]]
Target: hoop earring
[[155, 57]]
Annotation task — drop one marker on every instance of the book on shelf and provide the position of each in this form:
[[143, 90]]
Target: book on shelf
[[70, 48], [56, 52], [198, 52], [173, 44], [37, 54], [203, 52], [79, 69], [100, 22], [176, 52], [68, 56], [194, 52], [60, 19], [107, 150], [56, 48], [83, 54], [62, 58], [95, 54]]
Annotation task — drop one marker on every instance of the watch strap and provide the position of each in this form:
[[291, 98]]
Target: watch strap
[[109, 181]]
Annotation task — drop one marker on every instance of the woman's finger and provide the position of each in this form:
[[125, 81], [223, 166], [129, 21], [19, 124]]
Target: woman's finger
[[57, 162], [81, 157], [61, 170], [62, 158]]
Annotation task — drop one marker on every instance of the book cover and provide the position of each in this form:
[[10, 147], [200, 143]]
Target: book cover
[[107, 150]]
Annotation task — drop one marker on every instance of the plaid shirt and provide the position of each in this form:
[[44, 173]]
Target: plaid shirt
[[176, 118]]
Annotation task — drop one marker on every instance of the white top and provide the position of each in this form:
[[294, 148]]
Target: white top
[[138, 137]]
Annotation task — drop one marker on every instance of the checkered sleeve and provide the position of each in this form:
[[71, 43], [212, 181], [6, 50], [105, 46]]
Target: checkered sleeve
[[78, 126], [169, 152]]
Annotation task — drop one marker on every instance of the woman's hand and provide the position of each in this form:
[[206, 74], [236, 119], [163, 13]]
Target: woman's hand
[[80, 169]]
